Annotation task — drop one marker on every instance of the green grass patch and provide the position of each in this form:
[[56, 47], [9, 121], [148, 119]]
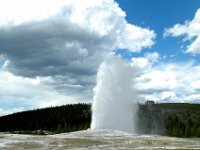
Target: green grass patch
[[133, 143], [27, 145], [74, 142]]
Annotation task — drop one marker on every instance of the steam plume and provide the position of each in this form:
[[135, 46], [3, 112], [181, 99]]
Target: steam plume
[[114, 97]]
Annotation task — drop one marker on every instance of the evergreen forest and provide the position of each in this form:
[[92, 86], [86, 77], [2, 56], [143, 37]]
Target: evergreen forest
[[171, 119]]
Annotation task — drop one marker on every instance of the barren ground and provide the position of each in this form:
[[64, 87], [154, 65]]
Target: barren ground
[[95, 139]]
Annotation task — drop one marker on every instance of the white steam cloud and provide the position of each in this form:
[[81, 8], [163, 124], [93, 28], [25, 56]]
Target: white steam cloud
[[114, 96]]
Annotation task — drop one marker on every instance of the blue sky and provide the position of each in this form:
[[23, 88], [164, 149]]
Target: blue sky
[[158, 15], [51, 56]]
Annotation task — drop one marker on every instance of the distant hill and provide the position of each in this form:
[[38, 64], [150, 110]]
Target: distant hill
[[172, 119]]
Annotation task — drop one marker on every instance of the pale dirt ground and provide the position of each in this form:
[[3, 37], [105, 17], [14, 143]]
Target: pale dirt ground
[[95, 139]]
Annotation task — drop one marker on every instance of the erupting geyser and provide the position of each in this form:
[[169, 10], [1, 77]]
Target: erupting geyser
[[114, 101]]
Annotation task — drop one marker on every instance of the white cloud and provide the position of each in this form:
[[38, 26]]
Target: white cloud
[[10, 111], [102, 17], [191, 31], [31, 93], [52, 49], [195, 85], [135, 38], [147, 61], [83, 51], [140, 62], [153, 57], [169, 82], [157, 80], [67, 35], [22, 11]]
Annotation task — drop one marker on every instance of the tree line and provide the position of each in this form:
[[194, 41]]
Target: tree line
[[179, 120], [172, 119], [66, 118]]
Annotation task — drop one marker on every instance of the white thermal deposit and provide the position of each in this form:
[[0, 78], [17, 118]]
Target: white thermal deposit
[[114, 102]]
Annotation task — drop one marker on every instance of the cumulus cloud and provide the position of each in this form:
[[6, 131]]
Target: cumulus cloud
[[152, 57], [73, 36], [135, 38], [27, 93], [61, 44], [190, 30], [167, 82], [145, 63]]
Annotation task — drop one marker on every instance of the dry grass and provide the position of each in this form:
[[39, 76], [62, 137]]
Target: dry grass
[[74, 142], [27, 145]]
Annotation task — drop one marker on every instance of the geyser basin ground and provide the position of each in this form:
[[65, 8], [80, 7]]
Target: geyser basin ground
[[95, 139]]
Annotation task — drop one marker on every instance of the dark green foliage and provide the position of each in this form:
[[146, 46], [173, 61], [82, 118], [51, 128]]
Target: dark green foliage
[[180, 120], [55, 119], [175, 119]]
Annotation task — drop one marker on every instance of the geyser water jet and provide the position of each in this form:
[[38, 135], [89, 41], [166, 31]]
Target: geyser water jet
[[114, 101]]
